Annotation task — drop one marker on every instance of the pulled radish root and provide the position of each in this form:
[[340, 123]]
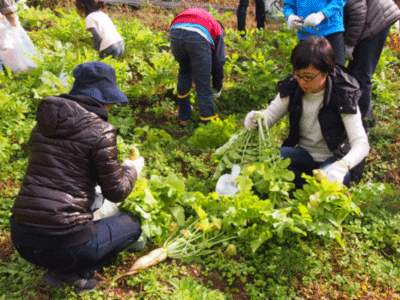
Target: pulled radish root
[[134, 153], [192, 240], [152, 258]]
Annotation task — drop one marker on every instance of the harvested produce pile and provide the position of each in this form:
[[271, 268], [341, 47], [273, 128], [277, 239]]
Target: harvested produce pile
[[244, 148], [256, 153]]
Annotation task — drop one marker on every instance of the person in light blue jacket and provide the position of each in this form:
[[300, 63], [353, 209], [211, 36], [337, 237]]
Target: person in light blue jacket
[[316, 18]]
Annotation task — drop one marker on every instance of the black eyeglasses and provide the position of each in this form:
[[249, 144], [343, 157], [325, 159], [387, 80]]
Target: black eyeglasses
[[306, 78]]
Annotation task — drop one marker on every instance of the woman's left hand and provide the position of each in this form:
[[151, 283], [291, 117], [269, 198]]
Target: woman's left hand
[[313, 20], [336, 172]]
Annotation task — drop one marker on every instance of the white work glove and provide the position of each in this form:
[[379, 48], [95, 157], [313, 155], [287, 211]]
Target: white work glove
[[217, 94], [348, 52], [313, 20], [336, 172], [294, 22], [138, 164], [250, 121]]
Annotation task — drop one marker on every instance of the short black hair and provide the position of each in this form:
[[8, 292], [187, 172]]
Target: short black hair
[[85, 7], [316, 52]]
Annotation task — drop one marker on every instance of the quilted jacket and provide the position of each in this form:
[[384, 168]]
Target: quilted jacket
[[73, 150], [366, 18]]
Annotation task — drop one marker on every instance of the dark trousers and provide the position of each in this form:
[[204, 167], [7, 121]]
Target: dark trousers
[[302, 162], [337, 42], [366, 56], [193, 53], [241, 14], [115, 234]]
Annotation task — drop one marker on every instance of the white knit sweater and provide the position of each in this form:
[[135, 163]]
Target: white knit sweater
[[311, 138]]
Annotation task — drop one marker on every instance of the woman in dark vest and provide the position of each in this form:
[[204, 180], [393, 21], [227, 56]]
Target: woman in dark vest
[[326, 130]]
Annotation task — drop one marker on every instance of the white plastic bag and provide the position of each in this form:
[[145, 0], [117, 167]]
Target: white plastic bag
[[16, 48], [226, 185], [108, 209], [102, 208]]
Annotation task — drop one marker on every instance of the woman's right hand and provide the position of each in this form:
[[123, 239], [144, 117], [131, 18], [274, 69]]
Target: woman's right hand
[[138, 164], [294, 22], [250, 121]]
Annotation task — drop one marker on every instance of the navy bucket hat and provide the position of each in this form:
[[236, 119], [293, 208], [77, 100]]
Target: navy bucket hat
[[97, 80]]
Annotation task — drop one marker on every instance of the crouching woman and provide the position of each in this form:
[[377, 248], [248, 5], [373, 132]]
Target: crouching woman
[[73, 150], [326, 130]]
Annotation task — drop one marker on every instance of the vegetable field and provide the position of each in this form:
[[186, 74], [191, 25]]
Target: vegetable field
[[266, 241]]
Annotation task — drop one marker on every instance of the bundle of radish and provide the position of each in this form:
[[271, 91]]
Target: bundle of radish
[[260, 161], [244, 148], [193, 240]]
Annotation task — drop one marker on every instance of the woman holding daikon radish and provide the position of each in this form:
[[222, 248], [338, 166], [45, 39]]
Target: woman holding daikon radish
[[73, 150], [326, 129]]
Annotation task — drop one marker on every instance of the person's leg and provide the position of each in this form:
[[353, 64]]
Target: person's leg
[[58, 262], [260, 13], [199, 50], [180, 52], [337, 42], [300, 162], [114, 235], [366, 56], [241, 15]]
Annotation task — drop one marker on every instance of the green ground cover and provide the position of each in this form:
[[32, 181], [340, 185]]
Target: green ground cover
[[322, 242]]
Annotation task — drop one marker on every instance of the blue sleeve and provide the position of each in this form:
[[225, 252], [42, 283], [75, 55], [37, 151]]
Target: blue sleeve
[[334, 7], [289, 8], [218, 62], [96, 38]]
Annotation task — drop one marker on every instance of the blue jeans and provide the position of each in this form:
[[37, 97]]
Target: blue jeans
[[302, 162], [366, 56], [193, 53], [241, 14], [114, 50], [115, 234]]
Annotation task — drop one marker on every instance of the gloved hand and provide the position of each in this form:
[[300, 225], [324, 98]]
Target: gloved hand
[[138, 164], [314, 19], [348, 52], [250, 121], [294, 22], [217, 94], [336, 172]]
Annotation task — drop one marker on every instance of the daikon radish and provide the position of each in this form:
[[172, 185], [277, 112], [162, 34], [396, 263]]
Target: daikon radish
[[134, 153], [190, 241], [151, 259]]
